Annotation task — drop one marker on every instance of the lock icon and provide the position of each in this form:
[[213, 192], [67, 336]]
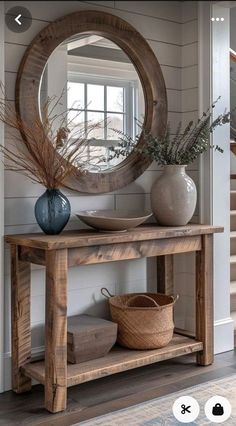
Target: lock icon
[[218, 410]]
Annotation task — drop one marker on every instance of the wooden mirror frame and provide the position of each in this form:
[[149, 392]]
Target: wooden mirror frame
[[142, 57]]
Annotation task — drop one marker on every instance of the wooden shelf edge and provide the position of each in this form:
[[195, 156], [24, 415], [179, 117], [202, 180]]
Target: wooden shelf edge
[[89, 238], [119, 359]]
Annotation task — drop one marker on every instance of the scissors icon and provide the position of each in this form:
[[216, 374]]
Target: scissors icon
[[185, 409]]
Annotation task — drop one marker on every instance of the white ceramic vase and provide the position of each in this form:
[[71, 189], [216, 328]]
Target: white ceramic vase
[[173, 196]]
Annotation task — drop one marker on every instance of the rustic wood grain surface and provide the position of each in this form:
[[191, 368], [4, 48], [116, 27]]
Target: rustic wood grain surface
[[119, 359], [86, 238]]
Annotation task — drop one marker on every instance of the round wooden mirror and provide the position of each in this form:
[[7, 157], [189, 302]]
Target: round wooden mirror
[[97, 31]]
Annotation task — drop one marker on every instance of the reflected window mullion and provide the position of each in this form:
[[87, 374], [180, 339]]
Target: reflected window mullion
[[86, 118], [105, 112]]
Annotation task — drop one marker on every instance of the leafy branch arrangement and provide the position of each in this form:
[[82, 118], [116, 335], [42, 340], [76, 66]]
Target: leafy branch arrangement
[[51, 150], [182, 148]]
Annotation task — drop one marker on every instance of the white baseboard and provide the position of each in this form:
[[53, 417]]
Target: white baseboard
[[223, 335], [223, 332], [7, 372], [7, 367], [2, 372], [223, 342]]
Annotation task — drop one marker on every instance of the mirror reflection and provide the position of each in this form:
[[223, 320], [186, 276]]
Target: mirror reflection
[[101, 93]]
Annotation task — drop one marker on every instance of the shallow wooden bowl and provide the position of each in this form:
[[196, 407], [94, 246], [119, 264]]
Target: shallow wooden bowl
[[113, 220]]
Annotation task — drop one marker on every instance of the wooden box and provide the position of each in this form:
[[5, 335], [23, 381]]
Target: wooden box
[[89, 337]]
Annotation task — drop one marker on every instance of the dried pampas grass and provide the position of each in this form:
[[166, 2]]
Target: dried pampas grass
[[48, 152]]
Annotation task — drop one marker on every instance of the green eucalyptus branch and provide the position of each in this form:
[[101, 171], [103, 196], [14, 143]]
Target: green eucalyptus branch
[[184, 147]]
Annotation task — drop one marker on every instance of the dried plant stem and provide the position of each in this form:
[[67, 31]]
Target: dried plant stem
[[184, 148], [47, 154]]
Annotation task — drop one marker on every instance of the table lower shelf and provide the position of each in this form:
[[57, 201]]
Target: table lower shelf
[[117, 360]]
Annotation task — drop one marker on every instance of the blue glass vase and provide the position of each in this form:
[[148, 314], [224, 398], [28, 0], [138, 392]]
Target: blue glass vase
[[52, 211]]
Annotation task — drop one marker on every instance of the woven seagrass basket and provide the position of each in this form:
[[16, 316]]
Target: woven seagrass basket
[[145, 320]]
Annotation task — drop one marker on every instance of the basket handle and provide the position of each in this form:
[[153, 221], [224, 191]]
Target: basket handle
[[143, 296], [105, 292], [175, 298]]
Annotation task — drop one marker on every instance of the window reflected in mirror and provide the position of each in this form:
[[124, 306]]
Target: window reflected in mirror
[[101, 93]]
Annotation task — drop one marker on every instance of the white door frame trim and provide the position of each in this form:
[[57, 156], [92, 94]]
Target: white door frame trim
[[214, 167]]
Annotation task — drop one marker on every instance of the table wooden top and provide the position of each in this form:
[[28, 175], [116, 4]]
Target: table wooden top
[[90, 237]]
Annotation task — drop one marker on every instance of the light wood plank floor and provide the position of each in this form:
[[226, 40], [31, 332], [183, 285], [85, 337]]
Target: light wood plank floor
[[114, 392]]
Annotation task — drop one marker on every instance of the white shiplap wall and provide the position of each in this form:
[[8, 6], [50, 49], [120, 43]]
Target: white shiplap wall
[[170, 29]]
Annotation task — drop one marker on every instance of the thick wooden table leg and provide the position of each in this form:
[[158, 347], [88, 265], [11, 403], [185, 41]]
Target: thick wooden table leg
[[204, 300], [56, 331], [165, 275], [20, 320]]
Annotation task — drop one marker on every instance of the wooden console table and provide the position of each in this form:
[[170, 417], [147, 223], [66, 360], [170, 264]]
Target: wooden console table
[[57, 253]]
